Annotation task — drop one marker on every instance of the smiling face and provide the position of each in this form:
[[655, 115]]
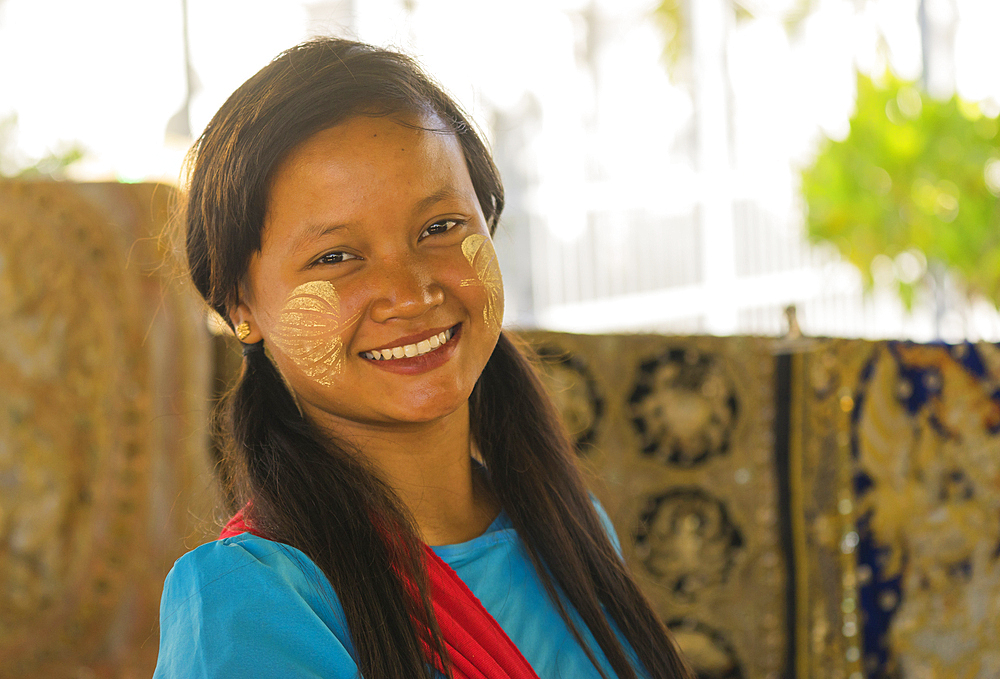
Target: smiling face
[[376, 286]]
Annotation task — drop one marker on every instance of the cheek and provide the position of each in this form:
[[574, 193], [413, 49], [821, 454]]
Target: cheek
[[485, 269], [308, 331]]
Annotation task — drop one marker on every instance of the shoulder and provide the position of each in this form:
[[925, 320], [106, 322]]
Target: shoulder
[[246, 605], [240, 562]]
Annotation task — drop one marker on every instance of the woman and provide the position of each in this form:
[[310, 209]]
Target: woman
[[339, 214]]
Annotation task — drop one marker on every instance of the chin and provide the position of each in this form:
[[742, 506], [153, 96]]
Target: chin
[[430, 412]]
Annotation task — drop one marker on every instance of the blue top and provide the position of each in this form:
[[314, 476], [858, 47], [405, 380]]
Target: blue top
[[245, 606]]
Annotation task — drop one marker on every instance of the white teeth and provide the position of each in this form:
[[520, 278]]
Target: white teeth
[[410, 350]]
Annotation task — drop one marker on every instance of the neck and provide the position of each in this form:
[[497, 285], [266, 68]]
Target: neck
[[429, 466]]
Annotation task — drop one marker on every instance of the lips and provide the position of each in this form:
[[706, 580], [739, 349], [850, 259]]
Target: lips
[[420, 362], [411, 350], [411, 346]]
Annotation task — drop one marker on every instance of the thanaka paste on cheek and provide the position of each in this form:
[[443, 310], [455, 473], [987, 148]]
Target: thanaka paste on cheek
[[478, 249], [308, 331]]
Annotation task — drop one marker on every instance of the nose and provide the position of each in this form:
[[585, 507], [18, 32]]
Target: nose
[[406, 289]]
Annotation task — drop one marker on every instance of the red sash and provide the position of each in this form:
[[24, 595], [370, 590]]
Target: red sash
[[477, 645]]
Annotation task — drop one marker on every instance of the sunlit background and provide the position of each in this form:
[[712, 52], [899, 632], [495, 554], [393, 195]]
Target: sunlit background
[[652, 151]]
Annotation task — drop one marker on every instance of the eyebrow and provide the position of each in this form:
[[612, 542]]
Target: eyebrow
[[444, 193], [317, 231]]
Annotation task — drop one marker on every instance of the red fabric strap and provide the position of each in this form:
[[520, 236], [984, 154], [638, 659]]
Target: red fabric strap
[[236, 526], [477, 645]]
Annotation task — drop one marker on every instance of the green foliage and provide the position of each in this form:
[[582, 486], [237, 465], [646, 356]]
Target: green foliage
[[916, 179]]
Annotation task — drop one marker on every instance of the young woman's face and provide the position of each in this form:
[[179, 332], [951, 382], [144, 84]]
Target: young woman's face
[[376, 286]]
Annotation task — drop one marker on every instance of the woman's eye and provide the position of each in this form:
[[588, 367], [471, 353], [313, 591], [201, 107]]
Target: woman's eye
[[335, 258], [443, 226]]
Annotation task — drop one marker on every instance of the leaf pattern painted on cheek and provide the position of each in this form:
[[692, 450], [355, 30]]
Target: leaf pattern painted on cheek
[[308, 331], [478, 250]]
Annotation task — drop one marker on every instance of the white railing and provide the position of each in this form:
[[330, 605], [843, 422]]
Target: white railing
[[637, 270]]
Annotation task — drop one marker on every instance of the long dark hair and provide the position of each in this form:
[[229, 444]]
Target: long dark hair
[[321, 496]]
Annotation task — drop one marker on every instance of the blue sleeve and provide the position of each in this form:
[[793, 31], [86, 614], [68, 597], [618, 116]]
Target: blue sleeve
[[608, 527], [250, 608]]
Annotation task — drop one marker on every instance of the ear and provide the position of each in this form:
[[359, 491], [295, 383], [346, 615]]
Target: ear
[[242, 313]]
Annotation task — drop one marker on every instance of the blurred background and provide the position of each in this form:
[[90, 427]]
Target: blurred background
[[684, 167], [795, 200]]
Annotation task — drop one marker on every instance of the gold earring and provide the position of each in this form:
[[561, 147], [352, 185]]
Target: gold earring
[[243, 331]]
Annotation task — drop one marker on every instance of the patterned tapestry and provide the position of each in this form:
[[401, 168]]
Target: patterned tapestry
[[104, 372], [678, 435], [802, 508], [911, 509], [820, 508]]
